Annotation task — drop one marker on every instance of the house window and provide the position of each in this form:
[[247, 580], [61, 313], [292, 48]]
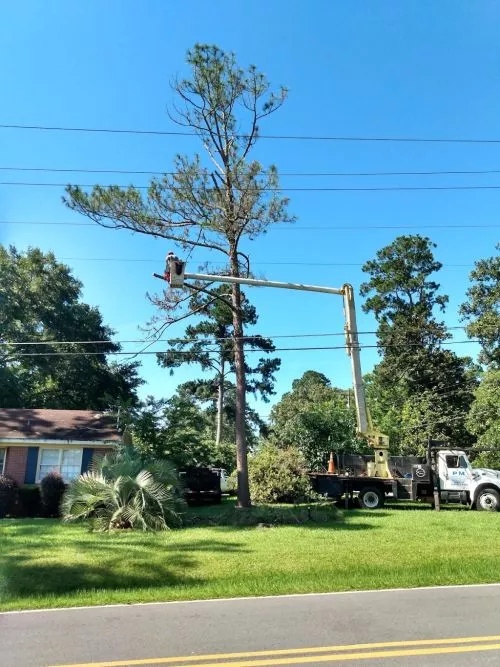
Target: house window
[[67, 462], [3, 456]]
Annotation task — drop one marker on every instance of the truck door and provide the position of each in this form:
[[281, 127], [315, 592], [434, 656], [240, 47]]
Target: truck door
[[454, 471]]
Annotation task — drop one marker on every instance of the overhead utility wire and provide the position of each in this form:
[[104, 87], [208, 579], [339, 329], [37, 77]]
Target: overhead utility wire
[[456, 417], [211, 261], [448, 390], [299, 137], [251, 349], [249, 337], [283, 226], [449, 172], [389, 188]]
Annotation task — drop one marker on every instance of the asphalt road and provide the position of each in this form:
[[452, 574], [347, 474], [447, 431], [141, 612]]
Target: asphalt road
[[434, 626]]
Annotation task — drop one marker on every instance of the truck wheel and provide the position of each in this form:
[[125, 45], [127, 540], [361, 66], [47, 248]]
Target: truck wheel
[[371, 498], [488, 500]]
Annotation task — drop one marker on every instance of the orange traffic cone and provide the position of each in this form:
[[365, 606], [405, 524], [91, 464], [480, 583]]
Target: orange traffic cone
[[331, 464]]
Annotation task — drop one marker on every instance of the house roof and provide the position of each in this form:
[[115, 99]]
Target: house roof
[[57, 425]]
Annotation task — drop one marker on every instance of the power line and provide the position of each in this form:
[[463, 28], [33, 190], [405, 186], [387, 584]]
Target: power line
[[440, 393], [152, 172], [207, 261], [251, 349], [391, 188], [213, 339], [176, 340], [284, 226], [457, 416], [303, 137]]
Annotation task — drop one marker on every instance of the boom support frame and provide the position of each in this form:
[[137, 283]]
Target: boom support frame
[[175, 276]]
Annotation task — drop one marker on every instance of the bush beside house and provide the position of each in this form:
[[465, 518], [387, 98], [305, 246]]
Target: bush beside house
[[9, 496], [52, 488]]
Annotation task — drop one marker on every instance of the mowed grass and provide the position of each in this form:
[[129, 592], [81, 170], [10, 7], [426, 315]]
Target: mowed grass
[[44, 563]]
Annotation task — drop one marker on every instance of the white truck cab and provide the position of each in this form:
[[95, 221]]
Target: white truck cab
[[459, 481]]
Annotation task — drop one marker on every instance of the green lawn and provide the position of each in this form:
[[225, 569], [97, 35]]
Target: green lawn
[[44, 563]]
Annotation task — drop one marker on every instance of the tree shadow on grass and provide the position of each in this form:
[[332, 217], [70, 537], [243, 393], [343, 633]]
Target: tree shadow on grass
[[27, 527], [131, 547], [122, 564], [209, 546], [408, 507], [23, 576], [344, 521], [412, 507]]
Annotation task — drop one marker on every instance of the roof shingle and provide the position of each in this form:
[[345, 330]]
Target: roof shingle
[[57, 425]]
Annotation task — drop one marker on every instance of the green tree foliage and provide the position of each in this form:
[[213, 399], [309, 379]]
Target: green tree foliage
[[482, 310], [484, 419], [253, 422], [419, 389], [40, 300], [386, 403], [212, 203], [172, 429], [208, 344], [315, 419], [411, 414], [181, 430], [279, 476], [404, 298]]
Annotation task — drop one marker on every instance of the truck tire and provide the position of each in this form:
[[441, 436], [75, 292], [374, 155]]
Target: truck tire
[[371, 498], [488, 500]]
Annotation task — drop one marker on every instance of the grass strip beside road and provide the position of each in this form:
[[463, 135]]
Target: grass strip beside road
[[44, 563]]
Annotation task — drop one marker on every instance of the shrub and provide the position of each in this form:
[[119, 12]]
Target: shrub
[[52, 489], [9, 495], [125, 502], [279, 476], [30, 504]]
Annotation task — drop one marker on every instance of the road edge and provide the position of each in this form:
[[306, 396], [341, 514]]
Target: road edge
[[244, 598]]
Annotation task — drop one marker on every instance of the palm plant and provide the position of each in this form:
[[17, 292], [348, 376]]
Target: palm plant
[[138, 502], [125, 490], [128, 462]]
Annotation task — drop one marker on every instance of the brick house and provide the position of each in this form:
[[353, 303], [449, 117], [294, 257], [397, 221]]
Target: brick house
[[35, 442]]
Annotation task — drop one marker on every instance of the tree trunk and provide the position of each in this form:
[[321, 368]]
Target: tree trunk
[[239, 363], [220, 401]]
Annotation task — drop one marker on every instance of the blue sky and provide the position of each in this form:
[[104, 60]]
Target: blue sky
[[357, 68]]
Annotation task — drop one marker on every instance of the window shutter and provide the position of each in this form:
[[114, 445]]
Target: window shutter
[[31, 463], [88, 453]]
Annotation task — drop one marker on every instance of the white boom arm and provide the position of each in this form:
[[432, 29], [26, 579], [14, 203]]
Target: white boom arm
[[352, 346], [175, 275]]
